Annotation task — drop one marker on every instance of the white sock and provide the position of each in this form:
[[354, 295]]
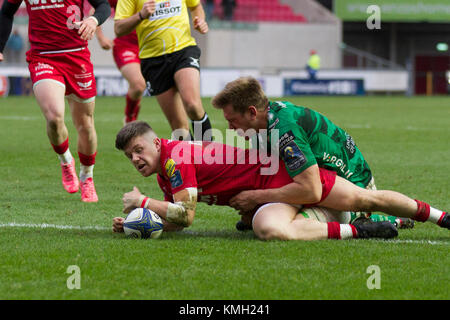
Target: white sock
[[346, 231], [66, 157], [435, 215], [86, 172]]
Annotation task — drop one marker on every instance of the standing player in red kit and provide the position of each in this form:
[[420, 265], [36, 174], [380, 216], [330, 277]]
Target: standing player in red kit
[[60, 66], [125, 51]]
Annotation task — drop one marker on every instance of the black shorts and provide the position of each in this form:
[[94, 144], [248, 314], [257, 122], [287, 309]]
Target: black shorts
[[159, 72]]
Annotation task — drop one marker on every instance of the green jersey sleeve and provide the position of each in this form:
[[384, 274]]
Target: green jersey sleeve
[[293, 147]]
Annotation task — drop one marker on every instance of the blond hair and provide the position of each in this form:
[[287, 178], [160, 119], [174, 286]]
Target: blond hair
[[241, 94]]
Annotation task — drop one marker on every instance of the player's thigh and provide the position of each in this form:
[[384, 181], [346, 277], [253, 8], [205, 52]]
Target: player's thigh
[[188, 84], [132, 73], [82, 111], [187, 81], [49, 95], [273, 217], [345, 196]]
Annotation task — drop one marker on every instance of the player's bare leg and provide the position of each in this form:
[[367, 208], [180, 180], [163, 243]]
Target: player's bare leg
[[83, 119], [187, 81], [279, 221], [50, 97], [346, 196], [132, 73], [172, 107]]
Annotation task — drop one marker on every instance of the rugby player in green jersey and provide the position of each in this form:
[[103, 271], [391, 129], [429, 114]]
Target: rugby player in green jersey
[[306, 140]]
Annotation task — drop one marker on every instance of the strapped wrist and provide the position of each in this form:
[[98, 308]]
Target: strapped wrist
[[140, 16], [144, 202]]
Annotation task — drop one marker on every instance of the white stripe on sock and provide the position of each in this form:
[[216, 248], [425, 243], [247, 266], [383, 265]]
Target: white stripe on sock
[[435, 215], [346, 231]]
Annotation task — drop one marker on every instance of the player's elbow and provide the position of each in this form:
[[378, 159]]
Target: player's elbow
[[119, 30]]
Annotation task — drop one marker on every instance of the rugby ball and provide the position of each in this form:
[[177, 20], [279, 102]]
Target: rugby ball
[[143, 223], [326, 214]]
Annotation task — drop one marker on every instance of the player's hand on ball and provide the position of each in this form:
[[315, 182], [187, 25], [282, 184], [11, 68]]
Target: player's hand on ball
[[132, 200], [200, 25], [118, 224], [243, 201], [86, 28], [148, 8]]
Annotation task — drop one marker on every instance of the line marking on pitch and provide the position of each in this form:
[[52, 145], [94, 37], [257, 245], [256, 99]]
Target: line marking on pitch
[[51, 226], [100, 228]]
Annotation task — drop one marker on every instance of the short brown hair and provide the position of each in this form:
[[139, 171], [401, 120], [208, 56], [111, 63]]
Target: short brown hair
[[241, 94], [131, 130]]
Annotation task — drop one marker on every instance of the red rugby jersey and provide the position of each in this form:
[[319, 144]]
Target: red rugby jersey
[[51, 24], [191, 164]]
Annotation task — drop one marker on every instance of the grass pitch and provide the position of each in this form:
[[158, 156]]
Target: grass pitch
[[44, 230]]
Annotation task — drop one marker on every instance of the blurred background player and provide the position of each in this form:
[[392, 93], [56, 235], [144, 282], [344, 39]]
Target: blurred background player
[[306, 141], [313, 64], [126, 56], [60, 66], [170, 58]]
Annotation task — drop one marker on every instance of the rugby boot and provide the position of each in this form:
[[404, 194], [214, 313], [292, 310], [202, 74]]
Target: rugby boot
[[445, 221], [383, 230], [88, 193], [404, 223], [69, 177]]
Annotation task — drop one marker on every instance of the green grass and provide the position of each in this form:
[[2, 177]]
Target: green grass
[[405, 140]]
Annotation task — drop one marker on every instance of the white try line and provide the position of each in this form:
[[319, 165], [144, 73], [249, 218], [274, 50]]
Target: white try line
[[100, 228], [51, 226]]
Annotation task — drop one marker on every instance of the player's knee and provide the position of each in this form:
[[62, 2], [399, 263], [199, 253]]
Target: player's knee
[[137, 88], [266, 231], [55, 122]]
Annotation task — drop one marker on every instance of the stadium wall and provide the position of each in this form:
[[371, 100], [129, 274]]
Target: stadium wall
[[264, 46]]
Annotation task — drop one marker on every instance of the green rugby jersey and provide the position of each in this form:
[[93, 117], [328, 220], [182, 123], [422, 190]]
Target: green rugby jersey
[[306, 137]]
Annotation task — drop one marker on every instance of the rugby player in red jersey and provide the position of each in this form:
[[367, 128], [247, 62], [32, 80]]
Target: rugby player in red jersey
[[60, 66], [213, 173], [125, 51]]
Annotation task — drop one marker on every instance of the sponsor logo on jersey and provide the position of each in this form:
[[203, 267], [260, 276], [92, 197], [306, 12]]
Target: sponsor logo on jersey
[[176, 180], [338, 163], [166, 10], [290, 152]]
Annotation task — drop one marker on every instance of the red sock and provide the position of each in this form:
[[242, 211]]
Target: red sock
[[427, 213], [62, 147], [87, 160], [341, 231], [423, 211], [132, 108]]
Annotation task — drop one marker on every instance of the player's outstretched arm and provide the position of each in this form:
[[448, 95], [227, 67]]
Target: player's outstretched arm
[[7, 12], [181, 212], [306, 189]]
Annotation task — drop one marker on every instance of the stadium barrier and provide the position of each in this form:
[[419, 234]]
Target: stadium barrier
[[16, 81]]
